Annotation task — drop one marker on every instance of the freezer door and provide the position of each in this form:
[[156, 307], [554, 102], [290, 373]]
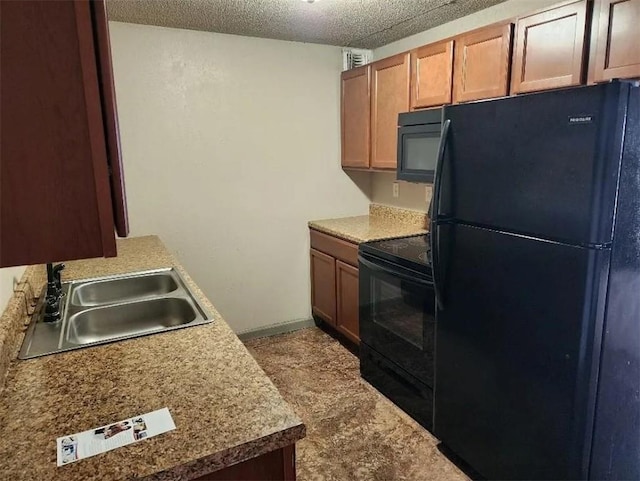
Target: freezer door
[[543, 164], [514, 390]]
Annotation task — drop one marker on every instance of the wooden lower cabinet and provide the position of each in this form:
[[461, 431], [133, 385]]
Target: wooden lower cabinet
[[334, 283], [323, 282], [347, 294], [278, 465]]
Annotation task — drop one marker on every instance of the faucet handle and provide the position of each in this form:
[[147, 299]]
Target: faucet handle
[[57, 273]]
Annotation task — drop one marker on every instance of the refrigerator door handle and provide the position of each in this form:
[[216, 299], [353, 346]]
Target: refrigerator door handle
[[435, 212]]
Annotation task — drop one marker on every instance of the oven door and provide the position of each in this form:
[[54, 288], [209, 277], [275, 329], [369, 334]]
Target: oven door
[[418, 152], [397, 315]]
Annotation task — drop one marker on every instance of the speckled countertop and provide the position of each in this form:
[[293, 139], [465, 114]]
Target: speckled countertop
[[383, 222], [225, 408]]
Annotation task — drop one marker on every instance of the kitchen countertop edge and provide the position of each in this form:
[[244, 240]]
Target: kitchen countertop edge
[[191, 468]]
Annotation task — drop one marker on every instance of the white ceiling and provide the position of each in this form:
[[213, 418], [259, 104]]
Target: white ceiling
[[350, 23]]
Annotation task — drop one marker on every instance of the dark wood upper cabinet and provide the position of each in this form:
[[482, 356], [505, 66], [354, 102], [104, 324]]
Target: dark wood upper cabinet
[[110, 116], [389, 97], [615, 40], [431, 75], [356, 117], [58, 131], [550, 48], [481, 63]]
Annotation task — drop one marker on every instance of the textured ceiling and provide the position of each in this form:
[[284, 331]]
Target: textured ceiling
[[351, 23]]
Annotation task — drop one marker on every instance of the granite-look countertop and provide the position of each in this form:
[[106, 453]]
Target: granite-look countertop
[[383, 222], [225, 408]]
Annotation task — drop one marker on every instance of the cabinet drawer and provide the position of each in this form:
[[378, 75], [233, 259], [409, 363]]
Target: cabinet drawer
[[338, 248]]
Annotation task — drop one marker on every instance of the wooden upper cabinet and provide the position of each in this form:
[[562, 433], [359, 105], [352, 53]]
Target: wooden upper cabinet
[[615, 40], [431, 75], [56, 198], [549, 49], [110, 117], [482, 60], [356, 117], [389, 97]]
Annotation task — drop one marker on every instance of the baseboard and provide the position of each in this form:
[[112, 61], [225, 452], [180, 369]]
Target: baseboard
[[275, 329]]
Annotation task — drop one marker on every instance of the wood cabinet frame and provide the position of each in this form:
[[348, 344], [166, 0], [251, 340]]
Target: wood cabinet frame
[[346, 302], [279, 464], [420, 99], [327, 313], [576, 73], [601, 42], [110, 117], [334, 296], [401, 60], [362, 121], [460, 91], [56, 200]]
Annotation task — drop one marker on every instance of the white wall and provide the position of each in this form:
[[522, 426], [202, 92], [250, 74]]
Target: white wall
[[8, 276], [230, 145], [412, 196]]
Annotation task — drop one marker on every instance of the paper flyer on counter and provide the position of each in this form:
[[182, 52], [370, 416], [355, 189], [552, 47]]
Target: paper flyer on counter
[[78, 446]]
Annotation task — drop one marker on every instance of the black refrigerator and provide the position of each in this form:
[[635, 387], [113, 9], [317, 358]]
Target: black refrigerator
[[536, 260]]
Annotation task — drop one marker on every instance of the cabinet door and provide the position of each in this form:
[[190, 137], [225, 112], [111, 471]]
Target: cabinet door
[[617, 39], [431, 74], [110, 117], [549, 49], [347, 314], [389, 97], [323, 286], [55, 200], [356, 117], [482, 60]]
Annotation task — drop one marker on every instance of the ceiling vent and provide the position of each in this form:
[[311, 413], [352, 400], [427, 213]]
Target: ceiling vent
[[352, 58]]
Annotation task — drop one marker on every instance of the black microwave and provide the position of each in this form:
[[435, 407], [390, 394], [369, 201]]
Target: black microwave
[[418, 144]]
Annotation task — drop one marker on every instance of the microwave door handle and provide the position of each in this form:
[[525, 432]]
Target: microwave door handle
[[391, 272], [435, 212]]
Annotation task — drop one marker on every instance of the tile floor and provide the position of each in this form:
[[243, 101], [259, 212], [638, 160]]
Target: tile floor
[[353, 432]]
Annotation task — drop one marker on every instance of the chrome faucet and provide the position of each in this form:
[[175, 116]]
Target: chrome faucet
[[52, 311]]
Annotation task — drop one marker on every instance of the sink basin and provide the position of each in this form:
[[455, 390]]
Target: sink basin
[[114, 308], [127, 320], [109, 291]]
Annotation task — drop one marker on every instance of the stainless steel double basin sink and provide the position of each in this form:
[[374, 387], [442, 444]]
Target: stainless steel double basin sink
[[107, 309]]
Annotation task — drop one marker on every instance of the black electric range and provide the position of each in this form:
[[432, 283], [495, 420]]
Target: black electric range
[[397, 322], [410, 252]]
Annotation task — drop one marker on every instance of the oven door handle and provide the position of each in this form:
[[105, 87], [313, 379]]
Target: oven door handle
[[391, 272], [435, 214]]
